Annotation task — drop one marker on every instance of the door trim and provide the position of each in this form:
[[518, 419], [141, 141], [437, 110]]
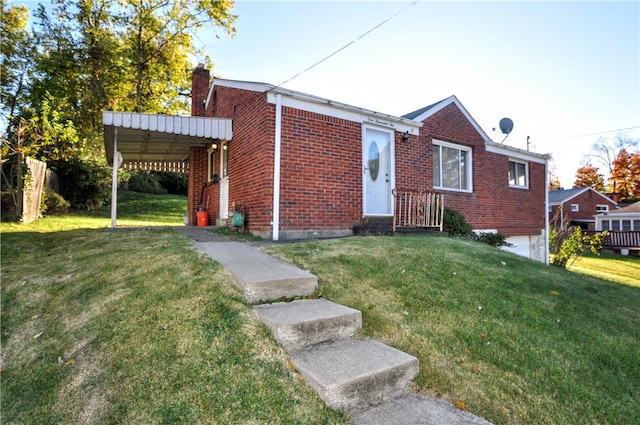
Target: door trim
[[392, 169]]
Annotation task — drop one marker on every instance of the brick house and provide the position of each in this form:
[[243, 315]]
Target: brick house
[[578, 206], [304, 166]]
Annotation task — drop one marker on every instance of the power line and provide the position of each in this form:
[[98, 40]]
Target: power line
[[347, 45], [593, 134]]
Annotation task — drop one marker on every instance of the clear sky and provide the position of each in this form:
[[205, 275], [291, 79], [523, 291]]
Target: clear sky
[[559, 70]]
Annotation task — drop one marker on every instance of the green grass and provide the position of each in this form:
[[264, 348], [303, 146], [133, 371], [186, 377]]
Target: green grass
[[135, 327], [516, 341], [609, 266], [150, 331]]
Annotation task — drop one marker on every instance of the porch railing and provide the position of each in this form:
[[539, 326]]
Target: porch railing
[[620, 239], [418, 209]]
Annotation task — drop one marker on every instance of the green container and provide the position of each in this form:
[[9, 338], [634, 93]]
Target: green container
[[237, 219]]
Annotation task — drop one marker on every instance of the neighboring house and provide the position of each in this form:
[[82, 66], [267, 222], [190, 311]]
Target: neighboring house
[[303, 166], [578, 206], [621, 220]]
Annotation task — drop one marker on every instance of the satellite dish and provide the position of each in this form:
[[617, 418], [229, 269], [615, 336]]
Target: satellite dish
[[506, 125]]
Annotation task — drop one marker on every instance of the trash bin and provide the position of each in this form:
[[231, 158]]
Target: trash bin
[[203, 218], [237, 219]]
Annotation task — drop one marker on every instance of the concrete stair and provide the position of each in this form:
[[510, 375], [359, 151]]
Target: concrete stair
[[365, 378], [306, 322], [260, 276], [349, 374], [353, 375]]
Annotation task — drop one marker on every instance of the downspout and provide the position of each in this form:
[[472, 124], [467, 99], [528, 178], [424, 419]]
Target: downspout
[[114, 179], [276, 170], [546, 211]]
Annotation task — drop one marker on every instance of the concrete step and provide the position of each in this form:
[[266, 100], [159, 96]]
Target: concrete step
[[414, 409], [260, 276], [306, 322], [352, 375]]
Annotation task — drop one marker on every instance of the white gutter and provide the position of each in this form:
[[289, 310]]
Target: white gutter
[[546, 211], [276, 170]]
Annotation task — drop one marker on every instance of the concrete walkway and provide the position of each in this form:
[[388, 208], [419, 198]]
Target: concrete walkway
[[362, 377]]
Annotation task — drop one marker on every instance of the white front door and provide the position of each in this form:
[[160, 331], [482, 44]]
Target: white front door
[[377, 163], [224, 181]]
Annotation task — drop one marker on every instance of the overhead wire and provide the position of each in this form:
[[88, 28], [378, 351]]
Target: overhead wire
[[346, 45]]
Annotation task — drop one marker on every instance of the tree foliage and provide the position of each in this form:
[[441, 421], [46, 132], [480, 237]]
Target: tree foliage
[[620, 157], [588, 176], [568, 243], [80, 57]]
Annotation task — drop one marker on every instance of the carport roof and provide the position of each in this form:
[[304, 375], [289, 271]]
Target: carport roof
[[147, 139]]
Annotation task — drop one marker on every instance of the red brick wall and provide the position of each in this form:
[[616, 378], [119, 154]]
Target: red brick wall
[[250, 154], [492, 204], [199, 91], [321, 180]]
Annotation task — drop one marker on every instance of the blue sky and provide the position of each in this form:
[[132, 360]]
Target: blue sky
[[559, 70]]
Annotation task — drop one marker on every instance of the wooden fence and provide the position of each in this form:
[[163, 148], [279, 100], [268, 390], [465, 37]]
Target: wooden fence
[[418, 209]]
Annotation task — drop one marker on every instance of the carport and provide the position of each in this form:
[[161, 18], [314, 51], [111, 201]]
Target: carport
[[156, 142]]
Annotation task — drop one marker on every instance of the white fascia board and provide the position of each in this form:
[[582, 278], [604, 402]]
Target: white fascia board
[[243, 85], [515, 153], [331, 108]]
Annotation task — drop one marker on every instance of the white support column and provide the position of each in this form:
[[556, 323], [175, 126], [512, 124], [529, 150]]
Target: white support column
[[114, 179], [276, 170]]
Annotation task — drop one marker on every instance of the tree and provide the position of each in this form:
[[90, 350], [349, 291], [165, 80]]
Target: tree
[[588, 176], [16, 58], [158, 37], [554, 182], [605, 151], [626, 173], [85, 56]]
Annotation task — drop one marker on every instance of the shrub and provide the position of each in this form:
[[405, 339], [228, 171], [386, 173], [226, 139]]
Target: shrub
[[174, 183], [86, 184], [145, 182], [493, 239], [568, 243], [54, 203], [455, 224], [8, 207]]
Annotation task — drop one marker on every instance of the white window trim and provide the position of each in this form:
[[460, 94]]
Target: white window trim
[[526, 174], [602, 208], [470, 167], [576, 209]]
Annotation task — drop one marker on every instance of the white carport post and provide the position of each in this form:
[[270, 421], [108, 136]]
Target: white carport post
[[117, 161]]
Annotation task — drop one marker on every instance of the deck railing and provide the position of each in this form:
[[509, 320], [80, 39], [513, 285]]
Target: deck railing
[[620, 239], [418, 209]]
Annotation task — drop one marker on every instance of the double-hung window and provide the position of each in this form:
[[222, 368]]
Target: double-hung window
[[518, 175], [451, 166]]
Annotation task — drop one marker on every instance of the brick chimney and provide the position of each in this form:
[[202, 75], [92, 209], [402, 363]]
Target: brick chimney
[[199, 90]]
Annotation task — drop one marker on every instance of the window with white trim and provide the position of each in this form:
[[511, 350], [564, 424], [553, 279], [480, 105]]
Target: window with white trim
[[602, 208], [606, 224], [518, 174], [626, 225], [451, 167], [575, 207], [636, 225]]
